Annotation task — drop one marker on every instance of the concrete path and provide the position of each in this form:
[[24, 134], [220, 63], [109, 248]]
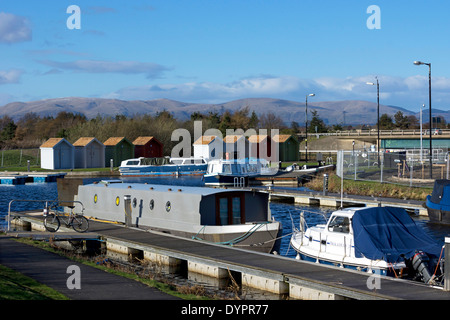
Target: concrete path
[[56, 272]]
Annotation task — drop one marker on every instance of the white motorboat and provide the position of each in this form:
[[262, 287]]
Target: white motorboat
[[237, 172], [381, 240]]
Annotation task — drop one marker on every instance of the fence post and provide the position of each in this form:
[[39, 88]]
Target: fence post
[[381, 174], [447, 266]]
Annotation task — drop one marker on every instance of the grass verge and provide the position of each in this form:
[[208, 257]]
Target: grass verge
[[16, 286], [369, 188], [195, 292]]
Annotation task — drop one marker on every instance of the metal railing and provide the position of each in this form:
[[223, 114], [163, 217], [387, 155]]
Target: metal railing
[[48, 204]]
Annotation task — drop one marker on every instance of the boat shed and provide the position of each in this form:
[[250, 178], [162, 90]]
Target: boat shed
[[89, 153], [147, 147], [288, 147], [57, 153], [236, 147], [208, 147], [118, 149], [262, 147]]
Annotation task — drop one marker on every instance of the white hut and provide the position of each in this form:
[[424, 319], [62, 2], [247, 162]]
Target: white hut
[[89, 153], [208, 147], [236, 147], [57, 153]]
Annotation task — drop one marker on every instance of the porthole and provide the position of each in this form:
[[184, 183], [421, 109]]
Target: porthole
[[95, 198], [134, 203], [151, 204], [168, 206], [117, 201]]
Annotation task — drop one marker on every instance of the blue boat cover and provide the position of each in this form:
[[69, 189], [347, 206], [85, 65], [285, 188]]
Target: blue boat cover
[[387, 233], [441, 192]]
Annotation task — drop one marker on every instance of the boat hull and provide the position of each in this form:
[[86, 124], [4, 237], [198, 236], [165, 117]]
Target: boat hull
[[348, 263], [263, 237], [164, 170], [437, 213], [223, 180]]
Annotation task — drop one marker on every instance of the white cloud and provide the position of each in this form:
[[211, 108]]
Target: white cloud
[[261, 86], [408, 92], [10, 76], [152, 70], [14, 28]]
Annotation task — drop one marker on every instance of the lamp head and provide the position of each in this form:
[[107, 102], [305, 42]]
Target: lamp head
[[311, 94], [370, 83], [418, 63]]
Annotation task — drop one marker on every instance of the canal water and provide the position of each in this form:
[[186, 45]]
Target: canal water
[[287, 213]]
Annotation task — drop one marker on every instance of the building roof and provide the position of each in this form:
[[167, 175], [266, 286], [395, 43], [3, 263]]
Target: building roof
[[233, 138], [282, 137], [113, 141], [83, 141], [205, 140], [257, 138], [140, 141], [50, 143]]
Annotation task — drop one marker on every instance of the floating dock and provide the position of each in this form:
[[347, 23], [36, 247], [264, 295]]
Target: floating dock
[[285, 276], [17, 179]]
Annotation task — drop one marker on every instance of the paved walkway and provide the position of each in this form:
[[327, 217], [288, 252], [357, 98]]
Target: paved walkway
[[51, 269]]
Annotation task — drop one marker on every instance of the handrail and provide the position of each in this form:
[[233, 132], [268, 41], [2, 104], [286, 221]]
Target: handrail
[[42, 201]]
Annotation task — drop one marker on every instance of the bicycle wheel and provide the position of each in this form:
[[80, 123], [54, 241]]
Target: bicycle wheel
[[80, 223], [51, 222]]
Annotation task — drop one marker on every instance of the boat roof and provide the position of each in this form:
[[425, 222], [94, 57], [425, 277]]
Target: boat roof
[[205, 191], [389, 233]]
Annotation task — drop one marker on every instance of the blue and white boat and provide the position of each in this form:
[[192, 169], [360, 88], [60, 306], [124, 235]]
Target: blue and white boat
[[380, 240], [164, 166], [237, 172], [438, 203]]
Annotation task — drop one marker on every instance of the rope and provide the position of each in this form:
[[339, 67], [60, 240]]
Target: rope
[[238, 239], [437, 265]]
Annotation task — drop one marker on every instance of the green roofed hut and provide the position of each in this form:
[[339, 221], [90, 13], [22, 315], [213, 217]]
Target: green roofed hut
[[288, 147], [118, 149]]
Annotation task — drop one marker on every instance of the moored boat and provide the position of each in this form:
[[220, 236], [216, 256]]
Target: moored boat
[[163, 166], [239, 218], [438, 203], [381, 240], [237, 172]]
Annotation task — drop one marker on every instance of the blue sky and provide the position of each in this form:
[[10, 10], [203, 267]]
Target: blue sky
[[212, 51]]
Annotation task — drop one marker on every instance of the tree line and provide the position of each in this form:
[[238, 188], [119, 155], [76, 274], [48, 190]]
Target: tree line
[[32, 130]]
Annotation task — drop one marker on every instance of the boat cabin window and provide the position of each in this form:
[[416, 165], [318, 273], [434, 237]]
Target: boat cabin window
[[230, 209], [177, 161], [339, 224], [133, 163], [226, 168]]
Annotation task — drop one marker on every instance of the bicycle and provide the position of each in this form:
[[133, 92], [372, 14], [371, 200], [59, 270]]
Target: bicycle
[[52, 220]]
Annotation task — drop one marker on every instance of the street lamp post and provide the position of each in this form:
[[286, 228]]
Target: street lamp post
[[378, 118], [306, 123], [418, 63], [421, 145]]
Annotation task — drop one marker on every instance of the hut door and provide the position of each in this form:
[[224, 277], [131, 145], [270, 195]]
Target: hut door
[[230, 209]]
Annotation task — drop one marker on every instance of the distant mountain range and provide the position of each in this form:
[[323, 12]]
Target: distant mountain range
[[332, 112]]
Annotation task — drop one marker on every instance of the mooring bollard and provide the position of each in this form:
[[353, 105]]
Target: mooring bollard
[[447, 265], [127, 204], [325, 184]]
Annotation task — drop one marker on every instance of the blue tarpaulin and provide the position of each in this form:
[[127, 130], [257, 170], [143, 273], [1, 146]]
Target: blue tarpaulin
[[387, 233]]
